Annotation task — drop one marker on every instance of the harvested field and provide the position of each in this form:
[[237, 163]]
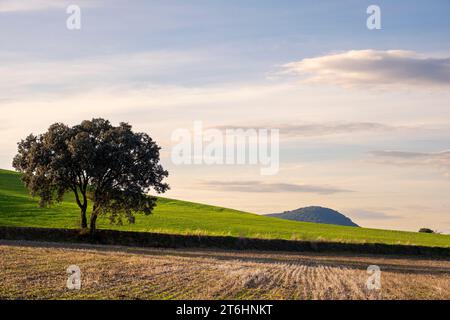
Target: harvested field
[[38, 271]]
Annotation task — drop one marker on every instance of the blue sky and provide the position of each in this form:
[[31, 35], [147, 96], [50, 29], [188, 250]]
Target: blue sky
[[342, 96], [257, 31]]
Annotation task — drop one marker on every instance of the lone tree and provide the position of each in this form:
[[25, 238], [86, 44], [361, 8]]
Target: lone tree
[[113, 167], [426, 230]]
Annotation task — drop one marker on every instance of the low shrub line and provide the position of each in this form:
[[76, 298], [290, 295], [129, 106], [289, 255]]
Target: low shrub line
[[147, 239]]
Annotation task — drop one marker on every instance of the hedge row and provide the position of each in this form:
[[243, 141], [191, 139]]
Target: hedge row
[[146, 239]]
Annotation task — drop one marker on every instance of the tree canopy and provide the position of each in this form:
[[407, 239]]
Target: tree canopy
[[426, 230], [112, 166]]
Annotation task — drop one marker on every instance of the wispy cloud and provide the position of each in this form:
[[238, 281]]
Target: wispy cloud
[[27, 72], [371, 215], [33, 5], [374, 68], [438, 160], [14, 5], [320, 129], [257, 186]]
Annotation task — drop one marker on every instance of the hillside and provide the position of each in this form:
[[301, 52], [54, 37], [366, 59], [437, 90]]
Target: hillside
[[316, 214], [17, 208]]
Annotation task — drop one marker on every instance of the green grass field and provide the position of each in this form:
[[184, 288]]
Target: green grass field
[[17, 208]]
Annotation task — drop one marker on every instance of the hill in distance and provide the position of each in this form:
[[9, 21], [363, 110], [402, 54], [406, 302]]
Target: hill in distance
[[316, 214], [172, 216]]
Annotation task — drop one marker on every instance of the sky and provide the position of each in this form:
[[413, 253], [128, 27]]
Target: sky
[[363, 115]]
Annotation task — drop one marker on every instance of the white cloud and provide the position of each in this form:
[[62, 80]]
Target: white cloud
[[320, 129], [257, 186], [374, 68], [33, 5], [364, 214], [26, 72], [437, 160]]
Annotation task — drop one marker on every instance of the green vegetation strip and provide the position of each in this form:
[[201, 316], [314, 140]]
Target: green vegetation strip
[[149, 239], [18, 209]]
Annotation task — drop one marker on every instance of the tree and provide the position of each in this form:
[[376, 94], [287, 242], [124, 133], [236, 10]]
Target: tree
[[426, 230], [113, 167]]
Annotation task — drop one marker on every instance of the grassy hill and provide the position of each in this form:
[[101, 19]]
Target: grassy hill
[[17, 208], [316, 214]]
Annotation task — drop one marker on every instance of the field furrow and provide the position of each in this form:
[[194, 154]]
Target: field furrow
[[38, 271]]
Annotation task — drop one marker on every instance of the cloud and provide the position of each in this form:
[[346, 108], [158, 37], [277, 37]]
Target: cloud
[[26, 72], [319, 129], [374, 68], [439, 160], [34, 5], [371, 215], [257, 186], [399, 154]]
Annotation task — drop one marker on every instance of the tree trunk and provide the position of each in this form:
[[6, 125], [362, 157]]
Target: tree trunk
[[93, 222], [94, 215], [83, 207], [83, 219]]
